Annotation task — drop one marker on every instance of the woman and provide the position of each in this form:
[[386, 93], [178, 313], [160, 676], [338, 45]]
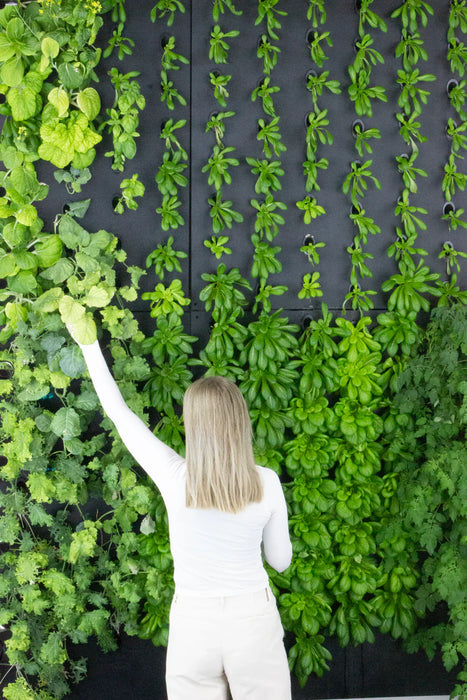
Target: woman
[[225, 630]]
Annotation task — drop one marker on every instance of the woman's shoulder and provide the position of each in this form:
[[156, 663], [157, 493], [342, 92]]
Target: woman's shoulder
[[268, 476]]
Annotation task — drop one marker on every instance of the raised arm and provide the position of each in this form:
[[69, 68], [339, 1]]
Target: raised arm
[[276, 539], [160, 462]]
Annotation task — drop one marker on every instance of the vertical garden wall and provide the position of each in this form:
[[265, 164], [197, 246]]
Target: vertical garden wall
[[271, 191]]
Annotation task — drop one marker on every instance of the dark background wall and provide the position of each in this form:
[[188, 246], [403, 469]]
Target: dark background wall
[[136, 670]]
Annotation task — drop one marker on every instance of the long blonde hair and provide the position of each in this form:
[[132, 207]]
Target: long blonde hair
[[221, 471]]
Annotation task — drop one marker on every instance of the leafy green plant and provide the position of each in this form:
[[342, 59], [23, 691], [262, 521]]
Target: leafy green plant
[[264, 258], [456, 133], [167, 300], [218, 46], [316, 131], [123, 117], [408, 214], [357, 180], [457, 56], [311, 209], [73, 178], [219, 83], [267, 12], [367, 16], [457, 17], [410, 128], [268, 132], [264, 92], [317, 53], [451, 255], [316, 13], [222, 214], [310, 248], [458, 96], [171, 218], [365, 224], [217, 246], [170, 175], [218, 9], [170, 58], [218, 166], [169, 92], [268, 220], [409, 285], [123, 45], [167, 7], [165, 258], [310, 169], [365, 54], [410, 49], [411, 11], [131, 188], [452, 180], [408, 170], [412, 97], [268, 172], [216, 124], [316, 84], [454, 218], [268, 53], [172, 143], [311, 287], [362, 94], [362, 137]]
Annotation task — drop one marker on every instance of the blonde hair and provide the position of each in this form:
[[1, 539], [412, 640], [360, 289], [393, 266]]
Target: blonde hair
[[221, 471]]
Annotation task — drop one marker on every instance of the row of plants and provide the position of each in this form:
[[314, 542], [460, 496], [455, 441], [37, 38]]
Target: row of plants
[[359, 466]]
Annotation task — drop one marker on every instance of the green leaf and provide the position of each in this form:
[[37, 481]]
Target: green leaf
[[50, 47], [71, 75], [12, 72], [99, 295], [24, 100], [89, 102], [59, 272], [48, 250], [66, 423], [59, 99], [71, 361]]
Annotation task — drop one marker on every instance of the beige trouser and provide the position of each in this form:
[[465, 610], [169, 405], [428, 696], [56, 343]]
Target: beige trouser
[[234, 641]]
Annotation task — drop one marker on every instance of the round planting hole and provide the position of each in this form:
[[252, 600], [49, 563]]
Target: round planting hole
[[115, 201], [308, 239], [451, 85], [449, 208], [2, 191], [306, 321], [66, 208], [7, 369]]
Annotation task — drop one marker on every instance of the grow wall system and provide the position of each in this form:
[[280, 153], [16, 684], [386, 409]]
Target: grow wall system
[[269, 191]]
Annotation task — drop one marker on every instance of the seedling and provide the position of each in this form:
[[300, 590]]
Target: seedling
[[454, 218], [311, 209], [117, 41], [219, 8], [265, 91], [412, 10], [316, 9], [170, 176], [310, 248], [316, 49], [452, 179], [222, 214], [171, 218], [218, 47], [317, 132], [366, 55], [410, 128], [264, 258], [412, 97], [451, 255], [406, 167], [171, 142], [167, 7], [217, 246], [362, 137], [365, 224], [216, 124], [361, 93], [269, 172], [408, 214], [317, 83], [267, 10], [268, 52], [269, 133], [357, 180], [169, 93], [167, 300], [267, 219], [367, 16], [219, 83], [457, 97], [456, 133], [165, 258], [310, 169], [410, 48], [131, 188], [170, 58], [218, 166]]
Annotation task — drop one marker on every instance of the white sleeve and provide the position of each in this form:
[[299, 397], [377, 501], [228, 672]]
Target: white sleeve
[[276, 539], [160, 462]]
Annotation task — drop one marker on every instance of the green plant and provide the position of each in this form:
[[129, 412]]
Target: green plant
[[167, 7], [316, 8], [165, 258], [123, 117], [457, 56], [167, 300], [311, 209], [361, 93], [316, 50], [124, 45], [362, 136], [268, 172], [131, 188], [412, 10], [454, 218], [366, 55], [264, 259], [267, 11], [222, 214], [169, 93], [218, 166], [408, 170], [219, 83], [310, 249], [456, 133], [316, 131], [310, 169], [410, 48], [267, 220], [410, 128], [311, 287], [172, 143], [317, 83], [408, 214], [458, 96], [217, 246], [170, 176], [269, 133], [218, 47], [357, 180], [367, 16], [218, 8], [411, 96], [409, 285], [365, 224], [170, 58], [171, 218], [264, 92], [216, 124], [451, 255], [457, 17], [431, 467], [268, 52], [452, 180]]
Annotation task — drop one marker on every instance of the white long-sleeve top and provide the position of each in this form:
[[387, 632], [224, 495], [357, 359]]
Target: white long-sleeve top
[[214, 553]]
